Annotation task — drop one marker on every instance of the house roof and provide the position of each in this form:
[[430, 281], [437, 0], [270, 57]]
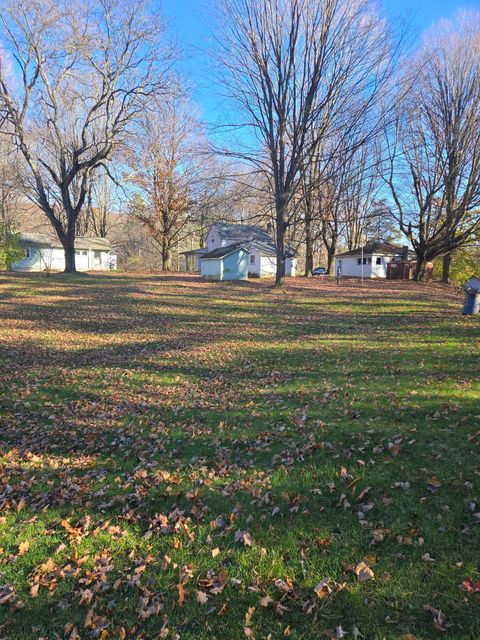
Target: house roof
[[254, 238], [44, 240], [245, 232], [382, 248], [222, 252], [193, 252]]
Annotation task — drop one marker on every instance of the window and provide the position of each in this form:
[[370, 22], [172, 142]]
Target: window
[[252, 258], [84, 253], [364, 261], [369, 261], [77, 253], [379, 261], [359, 261]]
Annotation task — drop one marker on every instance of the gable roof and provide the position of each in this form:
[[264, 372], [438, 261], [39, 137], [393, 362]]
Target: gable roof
[[254, 238], [193, 252], [44, 240], [222, 252], [382, 248], [245, 232]]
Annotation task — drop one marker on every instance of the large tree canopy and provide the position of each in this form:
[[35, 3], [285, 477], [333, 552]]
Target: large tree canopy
[[74, 77]]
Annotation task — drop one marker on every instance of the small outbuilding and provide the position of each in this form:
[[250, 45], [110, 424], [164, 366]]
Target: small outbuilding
[[225, 263], [45, 253], [370, 261], [258, 242]]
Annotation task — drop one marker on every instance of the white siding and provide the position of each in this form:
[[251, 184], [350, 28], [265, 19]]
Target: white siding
[[380, 270], [350, 266], [291, 267], [214, 241], [255, 265], [268, 266], [41, 259], [53, 259]]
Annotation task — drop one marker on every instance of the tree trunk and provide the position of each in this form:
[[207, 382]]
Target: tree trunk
[[68, 243], [166, 259], [419, 275], [330, 257], [447, 260], [308, 248], [280, 220]]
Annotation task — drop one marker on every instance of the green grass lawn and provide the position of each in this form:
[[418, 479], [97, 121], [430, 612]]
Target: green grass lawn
[[192, 460]]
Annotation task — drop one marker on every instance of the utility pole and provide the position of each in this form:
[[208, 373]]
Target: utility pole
[[362, 265]]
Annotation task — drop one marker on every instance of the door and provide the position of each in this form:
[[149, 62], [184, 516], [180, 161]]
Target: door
[[97, 259]]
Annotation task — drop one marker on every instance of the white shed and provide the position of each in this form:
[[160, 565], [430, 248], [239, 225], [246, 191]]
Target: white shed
[[370, 261], [45, 253]]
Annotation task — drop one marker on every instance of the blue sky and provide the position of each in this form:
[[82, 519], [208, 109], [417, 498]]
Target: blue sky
[[191, 21]]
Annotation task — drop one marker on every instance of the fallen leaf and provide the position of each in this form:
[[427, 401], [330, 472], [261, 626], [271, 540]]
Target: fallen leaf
[[469, 585], [363, 572], [439, 620], [23, 547], [323, 588]]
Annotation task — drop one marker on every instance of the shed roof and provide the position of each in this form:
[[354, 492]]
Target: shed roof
[[377, 247], [44, 240], [222, 252]]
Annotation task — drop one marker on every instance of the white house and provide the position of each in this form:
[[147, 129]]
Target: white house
[[371, 261], [257, 243], [44, 253]]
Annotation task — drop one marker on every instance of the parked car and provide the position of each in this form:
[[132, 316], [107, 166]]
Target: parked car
[[320, 271]]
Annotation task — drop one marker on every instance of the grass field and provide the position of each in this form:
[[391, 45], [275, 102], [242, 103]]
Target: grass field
[[194, 460]]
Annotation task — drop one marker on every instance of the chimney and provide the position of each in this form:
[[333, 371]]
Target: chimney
[[405, 253], [269, 228]]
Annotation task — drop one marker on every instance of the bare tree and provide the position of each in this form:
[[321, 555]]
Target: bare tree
[[294, 67], [96, 217], [434, 148], [74, 77], [166, 166], [10, 185]]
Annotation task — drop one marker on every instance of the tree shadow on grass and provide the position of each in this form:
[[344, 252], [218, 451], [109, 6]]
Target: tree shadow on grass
[[319, 430]]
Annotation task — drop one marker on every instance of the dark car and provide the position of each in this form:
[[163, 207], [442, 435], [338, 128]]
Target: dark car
[[320, 271]]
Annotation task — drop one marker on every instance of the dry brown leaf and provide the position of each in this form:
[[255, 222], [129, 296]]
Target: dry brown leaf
[[86, 596], [323, 588], [265, 601], [248, 616], [363, 572]]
